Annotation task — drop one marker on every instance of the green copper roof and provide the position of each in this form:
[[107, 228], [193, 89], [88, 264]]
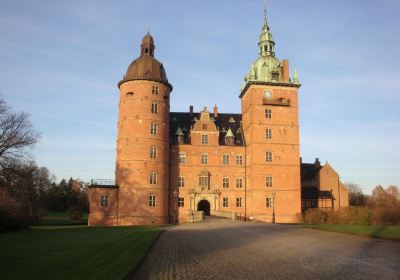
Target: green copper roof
[[267, 68]]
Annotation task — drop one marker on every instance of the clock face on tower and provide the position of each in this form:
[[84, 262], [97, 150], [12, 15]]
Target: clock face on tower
[[267, 94]]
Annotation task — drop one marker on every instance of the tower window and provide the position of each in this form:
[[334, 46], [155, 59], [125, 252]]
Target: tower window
[[225, 183], [268, 156], [153, 152], [181, 181], [225, 202], [269, 202], [239, 202], [204, 159], [239, 160], [181, 202], [153, 129], [268, 113], [104, 201], [204, 139], [225, 159], [268, 181], [239, 183], [153, 178], [154, 89], [182, 158], [152, 200], [268, 133], [154, 107]]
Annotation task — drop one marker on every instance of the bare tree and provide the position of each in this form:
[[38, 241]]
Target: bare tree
[[16, 134], [356, 196]]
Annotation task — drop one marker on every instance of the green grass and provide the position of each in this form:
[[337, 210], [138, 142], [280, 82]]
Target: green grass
[[391, 232], [61, 219], [73, 252]]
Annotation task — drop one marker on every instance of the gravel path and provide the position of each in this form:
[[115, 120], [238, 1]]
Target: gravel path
[[225, 249]]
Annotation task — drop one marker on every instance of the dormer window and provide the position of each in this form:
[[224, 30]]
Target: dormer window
[[204, 127], [275, 76], [204, 139]]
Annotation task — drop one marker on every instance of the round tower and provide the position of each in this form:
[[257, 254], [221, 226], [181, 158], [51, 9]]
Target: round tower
[[142, 165]]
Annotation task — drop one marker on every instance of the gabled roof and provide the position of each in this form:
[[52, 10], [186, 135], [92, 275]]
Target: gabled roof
[[309, 170], [223, 122]]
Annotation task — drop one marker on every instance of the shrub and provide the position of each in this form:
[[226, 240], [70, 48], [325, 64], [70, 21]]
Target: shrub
[[75, 213], [12, 214], [315, 216]]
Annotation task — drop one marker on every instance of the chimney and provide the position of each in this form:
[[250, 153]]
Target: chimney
[[317, 163], [191, 110], [215, 111], [286, 70]]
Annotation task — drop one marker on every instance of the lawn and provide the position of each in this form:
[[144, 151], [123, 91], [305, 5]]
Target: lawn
[[391, 232], [73, 252]]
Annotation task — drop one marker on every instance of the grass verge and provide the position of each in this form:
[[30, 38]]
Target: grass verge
[[61, 219], [69, 252], [390, 232]]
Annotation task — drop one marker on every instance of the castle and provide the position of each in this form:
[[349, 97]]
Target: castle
[[179, 166]]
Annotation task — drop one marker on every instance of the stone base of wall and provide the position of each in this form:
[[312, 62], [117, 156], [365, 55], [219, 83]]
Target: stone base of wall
[[225, 214], [191, 217], [102, 220]]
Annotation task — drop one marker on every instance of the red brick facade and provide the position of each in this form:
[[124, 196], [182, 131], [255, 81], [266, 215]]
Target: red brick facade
[[170, 166]]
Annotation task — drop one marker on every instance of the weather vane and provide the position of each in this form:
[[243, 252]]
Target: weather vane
[[265, 10]]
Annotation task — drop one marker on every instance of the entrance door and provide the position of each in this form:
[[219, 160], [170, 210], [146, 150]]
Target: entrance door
[[204, 205]]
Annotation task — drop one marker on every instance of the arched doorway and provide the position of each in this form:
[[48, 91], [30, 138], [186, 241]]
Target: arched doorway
[[204, 205]]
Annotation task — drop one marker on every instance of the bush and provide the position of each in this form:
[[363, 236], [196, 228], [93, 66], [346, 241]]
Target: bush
[[315, 216], [12, 214], [75, 213], [351, 215]]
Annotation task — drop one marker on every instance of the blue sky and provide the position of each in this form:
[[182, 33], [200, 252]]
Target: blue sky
[[60, 61]]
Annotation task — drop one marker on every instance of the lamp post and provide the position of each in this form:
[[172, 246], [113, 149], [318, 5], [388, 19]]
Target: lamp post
[[273, 207]]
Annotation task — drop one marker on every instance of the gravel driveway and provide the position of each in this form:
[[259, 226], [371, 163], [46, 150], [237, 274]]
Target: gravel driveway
[[225, 249]]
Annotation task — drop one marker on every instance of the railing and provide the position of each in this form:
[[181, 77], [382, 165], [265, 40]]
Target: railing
[[276, 101], [102, 182]]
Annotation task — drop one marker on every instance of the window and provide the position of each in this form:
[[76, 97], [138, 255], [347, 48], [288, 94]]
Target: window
[[181, 181], [153, 129], [203, 181], [181, 202], [268, 156], [225, 159], [268, 181], [204, 158], [154, 107], [268, 113], [153, 178], [225, 202], [225, 183], [239, 160], [204, 127], [239, 183], [204, 139], [238, 202], [152, 200], [154, 89], [268, 133], [104, 201], [153, 152], [269, 202], [182, 158]]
